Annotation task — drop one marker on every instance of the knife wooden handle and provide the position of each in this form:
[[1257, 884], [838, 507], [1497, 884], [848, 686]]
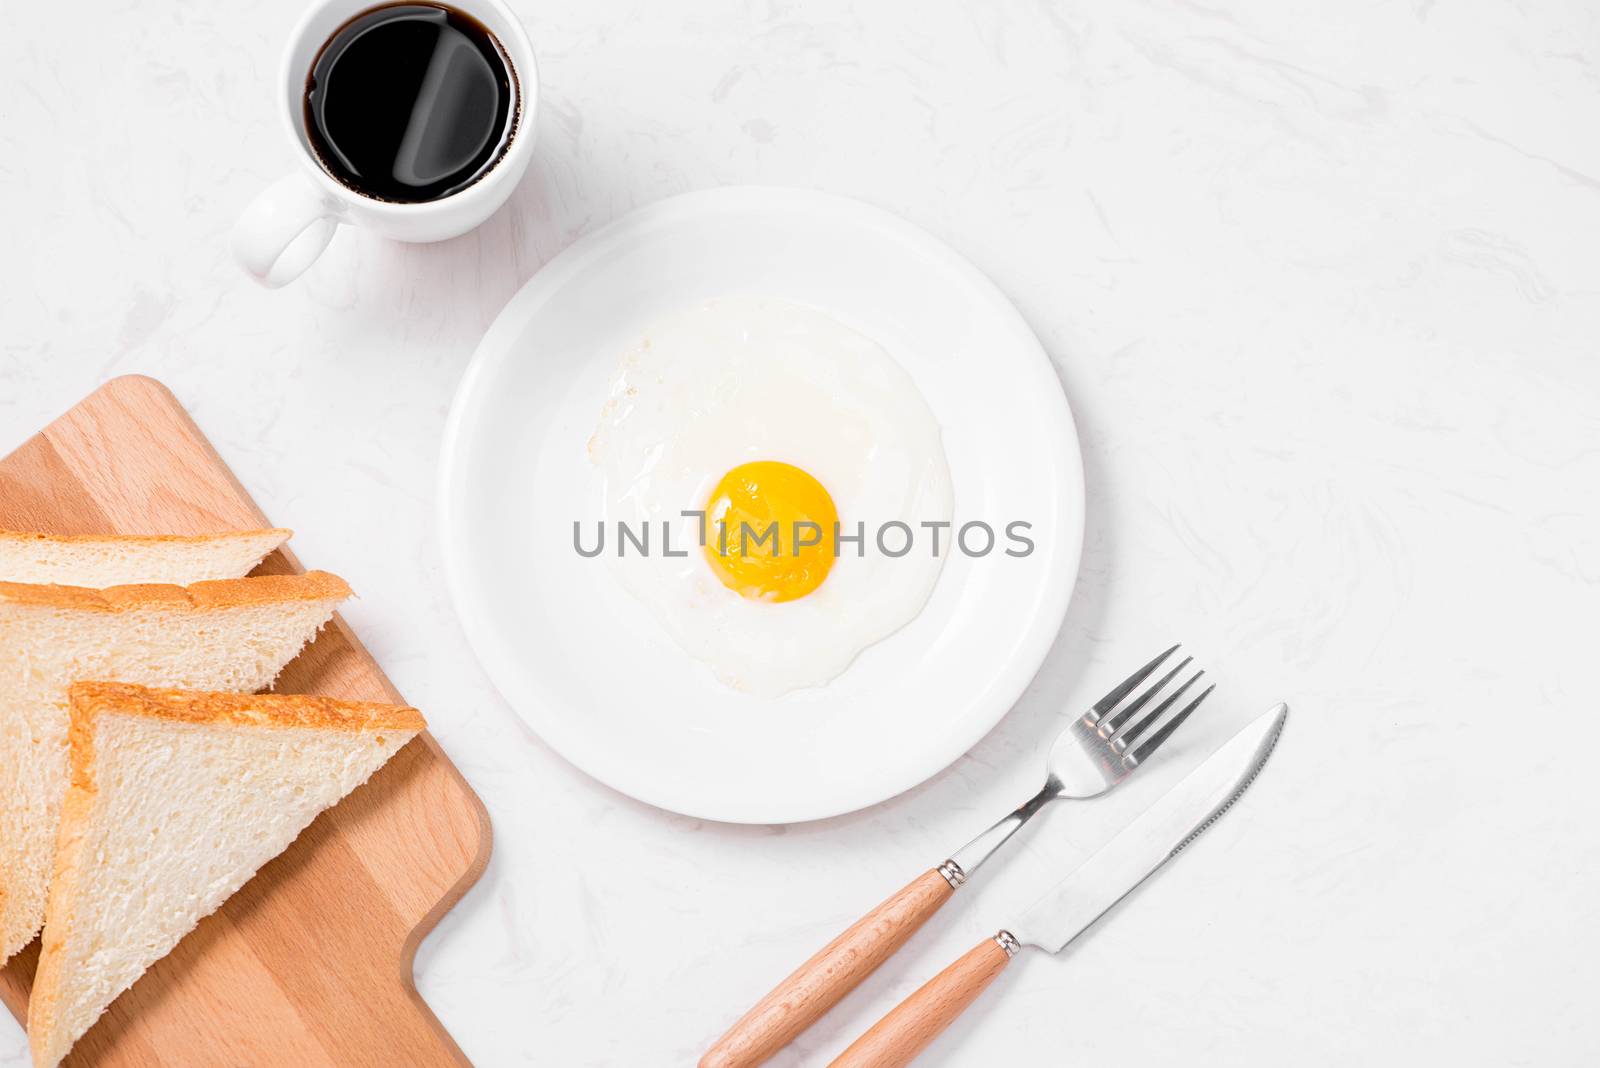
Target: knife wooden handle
[[896, 1039], [818, 984]]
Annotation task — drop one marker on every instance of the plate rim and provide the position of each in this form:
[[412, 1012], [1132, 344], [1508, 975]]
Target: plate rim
[[1009, 682]]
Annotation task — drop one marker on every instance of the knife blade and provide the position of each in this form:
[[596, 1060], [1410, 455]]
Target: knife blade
[[1163, 831]]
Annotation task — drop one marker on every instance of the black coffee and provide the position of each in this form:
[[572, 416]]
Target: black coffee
[[411, 102]]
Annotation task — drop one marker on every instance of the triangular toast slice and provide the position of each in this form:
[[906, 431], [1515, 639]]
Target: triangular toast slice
[[177, 798], [235, 634], [117, 559]]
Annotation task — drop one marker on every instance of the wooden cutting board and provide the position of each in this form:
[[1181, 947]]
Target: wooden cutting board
[[310, 963]]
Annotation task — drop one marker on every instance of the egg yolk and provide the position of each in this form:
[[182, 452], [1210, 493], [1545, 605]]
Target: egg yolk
[[770, 531]]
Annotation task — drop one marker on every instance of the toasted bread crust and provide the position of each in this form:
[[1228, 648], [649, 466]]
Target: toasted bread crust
[[218, 593], [282, 534], [90, 700], [45, 1001]]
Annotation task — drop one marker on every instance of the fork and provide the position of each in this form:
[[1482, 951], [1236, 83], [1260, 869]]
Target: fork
[[1090, 757]]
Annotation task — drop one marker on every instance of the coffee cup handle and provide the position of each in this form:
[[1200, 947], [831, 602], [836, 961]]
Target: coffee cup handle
[[284, 230]]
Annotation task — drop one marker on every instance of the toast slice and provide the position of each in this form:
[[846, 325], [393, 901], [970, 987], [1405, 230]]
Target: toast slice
[[116, 559], [234, 634], [176, 800]]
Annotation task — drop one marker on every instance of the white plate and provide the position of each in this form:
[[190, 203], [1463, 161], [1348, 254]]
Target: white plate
[[585, 664]]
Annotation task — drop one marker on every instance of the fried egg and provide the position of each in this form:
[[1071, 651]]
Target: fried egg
[[749, 454]]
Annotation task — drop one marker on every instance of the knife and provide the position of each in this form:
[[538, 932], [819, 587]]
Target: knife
[[1161, 833]]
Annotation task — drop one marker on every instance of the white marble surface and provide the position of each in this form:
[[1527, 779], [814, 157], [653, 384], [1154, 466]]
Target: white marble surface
[[1323, 287]]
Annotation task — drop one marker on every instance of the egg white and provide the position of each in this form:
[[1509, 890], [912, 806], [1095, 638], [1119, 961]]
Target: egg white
[[752, 378]]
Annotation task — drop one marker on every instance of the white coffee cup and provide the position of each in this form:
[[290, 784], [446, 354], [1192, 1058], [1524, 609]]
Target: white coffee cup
[[290, 222]]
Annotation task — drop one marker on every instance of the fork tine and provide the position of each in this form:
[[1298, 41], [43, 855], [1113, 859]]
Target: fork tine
[[1145, 751], [1114, 698], [1130, 733], [1117, 719]]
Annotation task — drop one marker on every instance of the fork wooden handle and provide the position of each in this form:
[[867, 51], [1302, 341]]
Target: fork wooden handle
[[818, 984], [895, 1040]]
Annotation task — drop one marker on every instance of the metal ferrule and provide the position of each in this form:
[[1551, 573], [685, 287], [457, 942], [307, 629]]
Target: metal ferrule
[[1008, 942], [952, 874]]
